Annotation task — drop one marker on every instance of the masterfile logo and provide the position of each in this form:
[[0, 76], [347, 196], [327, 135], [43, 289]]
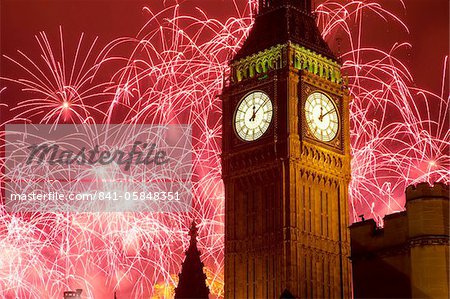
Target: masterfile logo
[[53, 154], [97, 168]]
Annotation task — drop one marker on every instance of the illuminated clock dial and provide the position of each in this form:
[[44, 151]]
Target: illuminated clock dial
[[322, 116], [253, 116]]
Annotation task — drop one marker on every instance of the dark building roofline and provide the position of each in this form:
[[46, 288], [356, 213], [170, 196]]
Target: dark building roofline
[[283, 23]]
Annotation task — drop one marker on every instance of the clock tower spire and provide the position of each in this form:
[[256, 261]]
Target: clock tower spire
[[282, 21], [286, 161]]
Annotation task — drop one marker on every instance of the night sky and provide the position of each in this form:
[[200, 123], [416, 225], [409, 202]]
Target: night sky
[[22, 19]]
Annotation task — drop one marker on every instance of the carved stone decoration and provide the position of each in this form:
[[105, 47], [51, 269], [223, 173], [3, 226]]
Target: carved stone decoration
[[286, 199], [277, 57]]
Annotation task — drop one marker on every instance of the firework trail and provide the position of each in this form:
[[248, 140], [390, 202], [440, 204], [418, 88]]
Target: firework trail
[[397, 137], [173, 76], [58, 92]]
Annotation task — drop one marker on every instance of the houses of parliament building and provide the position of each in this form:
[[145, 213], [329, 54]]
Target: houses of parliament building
[[286, 170]]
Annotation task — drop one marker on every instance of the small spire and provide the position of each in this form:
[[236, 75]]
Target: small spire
[[193, 231], [192, 279]]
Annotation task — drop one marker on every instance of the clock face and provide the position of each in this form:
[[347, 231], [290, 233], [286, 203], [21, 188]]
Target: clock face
[[322, 117], [253, 116]]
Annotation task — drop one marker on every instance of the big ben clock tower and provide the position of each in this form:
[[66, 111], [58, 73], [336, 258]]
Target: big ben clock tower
[[286, 161]]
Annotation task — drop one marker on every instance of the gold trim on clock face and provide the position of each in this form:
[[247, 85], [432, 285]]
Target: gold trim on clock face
[[253, 116], [322, 116]]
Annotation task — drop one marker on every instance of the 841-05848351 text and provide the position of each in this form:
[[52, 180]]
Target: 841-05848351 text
[[97, 195]]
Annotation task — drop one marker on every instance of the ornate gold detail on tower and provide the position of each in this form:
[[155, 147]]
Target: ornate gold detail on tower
[[297, 56], [286, 192]]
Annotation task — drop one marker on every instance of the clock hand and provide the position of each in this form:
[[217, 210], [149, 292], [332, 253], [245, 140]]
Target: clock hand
[[262, 106], [254, 114], [321, 114], [328, 113]]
